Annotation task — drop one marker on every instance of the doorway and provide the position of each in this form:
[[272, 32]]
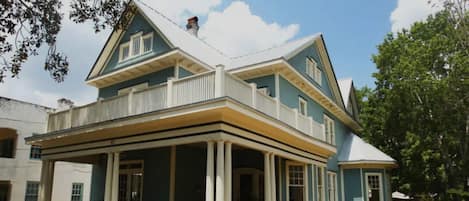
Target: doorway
[[248, 184]]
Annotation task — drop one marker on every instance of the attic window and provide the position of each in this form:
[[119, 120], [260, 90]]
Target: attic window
[[138, 45], [313, 70]]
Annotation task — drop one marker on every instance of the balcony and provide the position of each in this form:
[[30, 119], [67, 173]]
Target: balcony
[[193, 89]]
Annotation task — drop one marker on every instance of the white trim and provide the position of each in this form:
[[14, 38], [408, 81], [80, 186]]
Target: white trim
[[121, 51], [228, 171], [332, 183], [142, 45], [361, 183], [380, 181], [107, 190], [342, 191], [209, 178], [220, 178], [287, 180], [320, 171]]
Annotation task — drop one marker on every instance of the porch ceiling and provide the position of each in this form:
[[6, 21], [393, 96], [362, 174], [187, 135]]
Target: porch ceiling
[[222, 110]]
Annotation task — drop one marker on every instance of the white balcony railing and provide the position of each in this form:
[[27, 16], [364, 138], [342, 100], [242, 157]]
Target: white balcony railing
[[188, 90]]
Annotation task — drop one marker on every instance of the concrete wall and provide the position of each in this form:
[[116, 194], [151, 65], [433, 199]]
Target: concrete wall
[[27, 119]]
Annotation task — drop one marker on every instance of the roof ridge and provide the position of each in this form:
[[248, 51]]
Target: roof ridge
[[175, 24], [273, 47]]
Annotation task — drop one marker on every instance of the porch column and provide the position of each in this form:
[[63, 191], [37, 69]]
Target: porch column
[[209, 180], [228, 172], [267, 175], [272, 177], [47, 180], [219, 193], [108, 186], [115, 177]]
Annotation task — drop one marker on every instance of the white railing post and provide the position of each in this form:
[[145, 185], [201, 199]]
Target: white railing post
[[253, 94], [99, 113], [70, 119], [219, 81], [311, 127], [296, 117], [169, 92], [277, 107], [130, 97]]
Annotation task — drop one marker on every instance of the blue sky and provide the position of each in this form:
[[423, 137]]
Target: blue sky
[[352, 30]]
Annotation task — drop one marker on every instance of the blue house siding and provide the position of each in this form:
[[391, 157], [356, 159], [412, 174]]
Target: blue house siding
[[138, 24], [184, 73], [152, 79], [299, 63], [352, 184], [265, 81]]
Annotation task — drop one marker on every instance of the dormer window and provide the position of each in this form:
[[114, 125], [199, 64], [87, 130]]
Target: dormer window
[[313, 70], [139, 44]]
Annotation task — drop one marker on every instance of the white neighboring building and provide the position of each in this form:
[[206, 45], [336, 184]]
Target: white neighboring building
[[20, 164]]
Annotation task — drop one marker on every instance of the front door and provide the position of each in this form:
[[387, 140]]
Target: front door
[[130, 181], [248, 184]]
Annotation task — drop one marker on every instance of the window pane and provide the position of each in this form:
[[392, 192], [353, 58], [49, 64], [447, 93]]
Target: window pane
[[35, 152], [32, 189], [147, 43], [136, 45], [7, 147], [77, 190], [125, 52]]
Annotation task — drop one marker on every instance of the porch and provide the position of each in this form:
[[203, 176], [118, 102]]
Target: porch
[[228, 165]]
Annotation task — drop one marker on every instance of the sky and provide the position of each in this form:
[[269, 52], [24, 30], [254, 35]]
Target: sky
[[352, 30]]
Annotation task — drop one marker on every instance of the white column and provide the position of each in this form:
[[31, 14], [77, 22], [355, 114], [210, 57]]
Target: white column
[[267, 185], [130, 97], [169, 92], [108, 186], [115, 177], [219, 81], [253, 94], [277, 94], [272, 177], [306, 181], [209, 180], [172, 174], [219, 191], [47, 180], [228, 172]]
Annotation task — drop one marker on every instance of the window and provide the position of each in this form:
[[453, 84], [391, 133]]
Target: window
[[373, 187], [32, 189], [124, 51], [137, 45], [147, 42], [130, 181], [313, 70], [5, 187], [7, 145], [77, 191], [35, 152], [332, 186], [296, 180], [320, 176], [302, 106], [134, 87], [264, 90], [329, 130]]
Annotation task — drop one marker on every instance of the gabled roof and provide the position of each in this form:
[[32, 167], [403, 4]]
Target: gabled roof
[[286, 50], [345, 86], [355, 151]]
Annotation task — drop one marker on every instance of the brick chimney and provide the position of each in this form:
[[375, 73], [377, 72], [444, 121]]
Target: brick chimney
[[192, 25]]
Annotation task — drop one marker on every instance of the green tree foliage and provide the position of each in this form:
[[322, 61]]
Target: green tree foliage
[[27, 25], [419, 111]]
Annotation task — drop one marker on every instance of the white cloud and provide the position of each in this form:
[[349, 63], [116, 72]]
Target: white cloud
[[180, 10], [236, 30], [408, 12]]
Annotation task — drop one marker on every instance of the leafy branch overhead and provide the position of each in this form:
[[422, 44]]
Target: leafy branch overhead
[[28, 25]]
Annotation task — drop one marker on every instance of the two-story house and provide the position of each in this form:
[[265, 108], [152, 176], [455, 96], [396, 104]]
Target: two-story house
[[177, 120]]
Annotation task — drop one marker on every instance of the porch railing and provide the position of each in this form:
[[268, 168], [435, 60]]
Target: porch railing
[[200, 87]]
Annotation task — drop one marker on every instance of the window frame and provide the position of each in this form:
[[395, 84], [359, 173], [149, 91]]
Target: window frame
[[130, 45], [313, 70], [121, 51], [332, 185], [320, 174], [142, 45], [34, 155], [80, 185], [29, 184], [330, 136], [381, 186], [302, 101], [10, 138], [132, 40], [304, 178]]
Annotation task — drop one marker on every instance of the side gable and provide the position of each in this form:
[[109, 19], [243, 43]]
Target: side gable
[[316, 51], [137, 25], [348, 93]]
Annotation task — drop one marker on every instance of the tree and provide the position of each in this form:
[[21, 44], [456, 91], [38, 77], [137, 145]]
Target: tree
[[419, 111], [27, 25]]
